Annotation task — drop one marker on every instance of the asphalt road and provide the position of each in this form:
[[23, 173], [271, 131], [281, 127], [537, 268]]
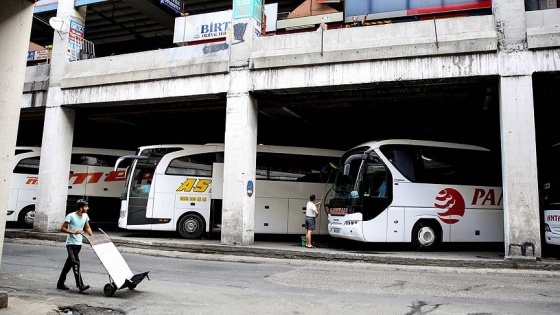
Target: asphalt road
[[211, 284]]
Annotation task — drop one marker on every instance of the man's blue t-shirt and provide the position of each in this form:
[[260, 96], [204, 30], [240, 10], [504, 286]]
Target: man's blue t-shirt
[[75, 223]]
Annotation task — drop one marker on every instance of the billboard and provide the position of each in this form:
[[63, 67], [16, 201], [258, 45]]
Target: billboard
[[212, 26], [383, 9]]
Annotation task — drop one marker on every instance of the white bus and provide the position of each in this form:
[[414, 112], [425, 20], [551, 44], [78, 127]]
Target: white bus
[[91, 177], [186, 185], [551, 200], [423, 192]]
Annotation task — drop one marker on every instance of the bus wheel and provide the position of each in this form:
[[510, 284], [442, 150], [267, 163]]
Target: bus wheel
[[191, 226], [27, 217], [425, 235]]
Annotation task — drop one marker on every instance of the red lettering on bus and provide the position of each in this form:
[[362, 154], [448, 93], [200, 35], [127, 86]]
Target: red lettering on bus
[[490, 197], [32, 180], [81, 177], [486, 197], [478, 193], [116, 176]]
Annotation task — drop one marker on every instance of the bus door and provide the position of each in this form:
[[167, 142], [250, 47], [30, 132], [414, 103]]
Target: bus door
[[217, 196], [373, 197], [139, 189]]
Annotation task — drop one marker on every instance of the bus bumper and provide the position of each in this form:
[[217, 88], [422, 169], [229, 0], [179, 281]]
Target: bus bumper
[[552, 238], [351, 232]]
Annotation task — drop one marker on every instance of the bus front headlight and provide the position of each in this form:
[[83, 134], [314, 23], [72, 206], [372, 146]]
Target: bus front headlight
[[351, 222], [123, 213], [546, 227]]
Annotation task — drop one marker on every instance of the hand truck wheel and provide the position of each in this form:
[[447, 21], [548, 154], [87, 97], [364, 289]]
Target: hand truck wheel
[[109, 289]]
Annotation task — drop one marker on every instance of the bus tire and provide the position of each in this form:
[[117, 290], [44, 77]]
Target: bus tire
[[191, 226], [426, 235], [27, 217]]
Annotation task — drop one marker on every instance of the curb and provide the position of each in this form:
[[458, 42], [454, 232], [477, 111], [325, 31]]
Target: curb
[[262, 252]]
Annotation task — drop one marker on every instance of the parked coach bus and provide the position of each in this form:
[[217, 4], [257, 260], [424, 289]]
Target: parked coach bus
[[423, 192], [91, 177], [179, 188], [551, 201]]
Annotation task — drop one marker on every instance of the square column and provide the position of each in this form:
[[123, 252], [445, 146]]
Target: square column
[[58, 130], [519, 169], [16, 17], [238, 206], [518, 138], [54, 168]]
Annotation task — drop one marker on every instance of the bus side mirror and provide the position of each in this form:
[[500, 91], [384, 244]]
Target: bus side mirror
[[346, 169]]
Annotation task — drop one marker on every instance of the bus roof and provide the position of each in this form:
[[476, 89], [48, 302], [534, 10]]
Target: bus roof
[[286, 149], [219, 147], [77, 150], [26, 149], [378, 143], [164, 146]]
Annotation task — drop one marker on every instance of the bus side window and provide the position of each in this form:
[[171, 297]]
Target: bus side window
[[194, 165], [382, 191], [379, 185], [28, 166]]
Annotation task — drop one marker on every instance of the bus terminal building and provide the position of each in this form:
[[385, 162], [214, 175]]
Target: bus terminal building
[[485, 79]]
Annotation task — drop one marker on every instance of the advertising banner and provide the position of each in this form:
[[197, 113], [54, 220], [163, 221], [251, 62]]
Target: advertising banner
[[75, 39], [214, 25], [378, 9]]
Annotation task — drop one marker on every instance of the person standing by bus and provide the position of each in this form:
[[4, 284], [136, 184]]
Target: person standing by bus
[[311, 213], [74, 225]]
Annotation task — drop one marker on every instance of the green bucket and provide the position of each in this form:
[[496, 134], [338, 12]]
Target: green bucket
[[303, 241]]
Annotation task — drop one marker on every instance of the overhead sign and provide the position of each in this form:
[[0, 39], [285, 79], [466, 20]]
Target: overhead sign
[[75, 39], [39, 55], [201, 27], [52, 5], [212, 26], [247, 8], [174, 5]]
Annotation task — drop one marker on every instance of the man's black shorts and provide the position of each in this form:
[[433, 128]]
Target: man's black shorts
[[310, 223]]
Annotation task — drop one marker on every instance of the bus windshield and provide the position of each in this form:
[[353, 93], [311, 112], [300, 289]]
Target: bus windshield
[[362, 174], [551, 191]]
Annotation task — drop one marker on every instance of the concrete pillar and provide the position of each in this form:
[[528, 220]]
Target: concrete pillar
[[519, 159], [16, 17], [58, 131], [238, 209], [518, 138]]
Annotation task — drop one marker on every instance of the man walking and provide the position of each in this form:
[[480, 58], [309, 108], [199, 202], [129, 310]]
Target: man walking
[[73, 225], [311, 213]]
